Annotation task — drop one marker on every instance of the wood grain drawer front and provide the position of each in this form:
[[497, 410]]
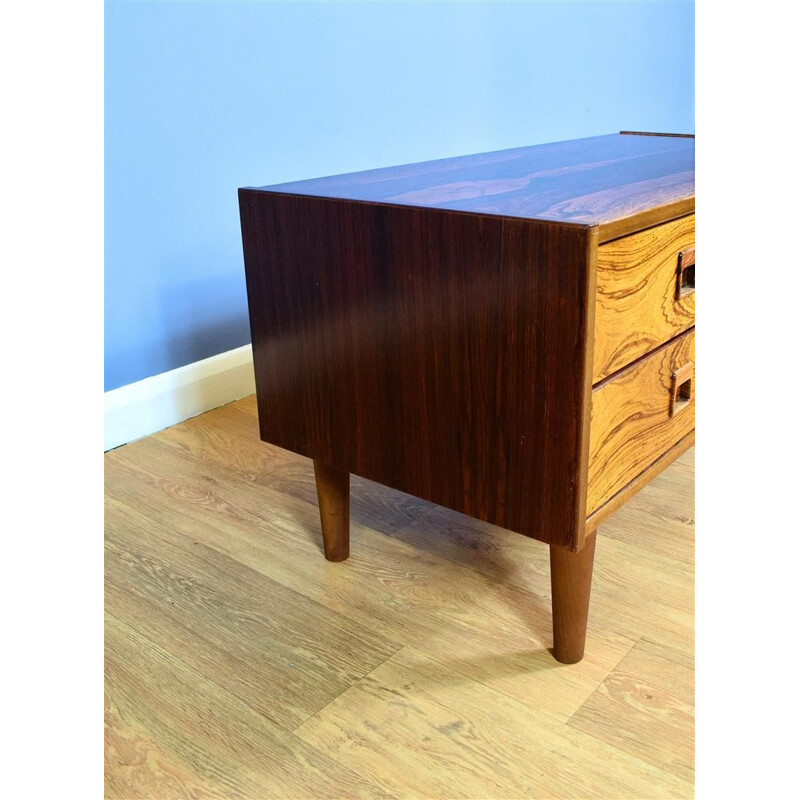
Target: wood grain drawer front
[[645, 293], [639, 415]]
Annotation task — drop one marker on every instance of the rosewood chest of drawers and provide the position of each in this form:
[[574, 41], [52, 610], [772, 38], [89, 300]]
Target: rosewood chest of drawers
[[509, 335]]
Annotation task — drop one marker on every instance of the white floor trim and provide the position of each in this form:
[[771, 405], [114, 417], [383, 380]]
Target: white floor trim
[[153, 404]]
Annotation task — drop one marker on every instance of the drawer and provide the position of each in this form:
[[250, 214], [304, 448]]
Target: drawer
[[645, 293], [637, 416]]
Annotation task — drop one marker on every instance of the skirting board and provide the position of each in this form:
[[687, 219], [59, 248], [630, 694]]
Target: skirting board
[[153, 404]]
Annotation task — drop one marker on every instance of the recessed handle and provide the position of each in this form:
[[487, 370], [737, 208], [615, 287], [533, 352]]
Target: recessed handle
[[682, 389], [685, 276]]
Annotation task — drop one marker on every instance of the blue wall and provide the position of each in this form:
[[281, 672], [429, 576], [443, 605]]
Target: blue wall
[[202, 98]]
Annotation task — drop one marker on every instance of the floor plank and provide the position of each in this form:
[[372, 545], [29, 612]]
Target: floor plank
[[210, 733], [248, 405], [661, 516], [283, 654], [481, 627], [418, 730], [240, 663], [639, 591], [646, 708], [229, 438], [135, 766]]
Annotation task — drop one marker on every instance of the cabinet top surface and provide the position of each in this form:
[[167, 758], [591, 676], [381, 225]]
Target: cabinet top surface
[[594, 181]]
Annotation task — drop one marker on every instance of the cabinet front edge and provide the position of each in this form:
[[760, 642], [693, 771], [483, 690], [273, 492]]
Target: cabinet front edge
[[645, 219]]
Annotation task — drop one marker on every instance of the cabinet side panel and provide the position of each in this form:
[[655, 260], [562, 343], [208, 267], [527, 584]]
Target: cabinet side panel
[[438, 353]]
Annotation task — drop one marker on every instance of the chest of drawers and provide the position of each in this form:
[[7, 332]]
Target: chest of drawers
[[509, 335]]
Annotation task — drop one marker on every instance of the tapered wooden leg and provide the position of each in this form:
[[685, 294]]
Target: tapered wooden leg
[[333, 494], [571, 581]]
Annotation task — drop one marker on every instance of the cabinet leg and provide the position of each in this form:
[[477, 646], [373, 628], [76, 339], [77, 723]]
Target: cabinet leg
[[333, 494], [571, 581]]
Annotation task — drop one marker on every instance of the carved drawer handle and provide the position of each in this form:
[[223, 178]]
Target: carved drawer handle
[[682, 389], [685, 280]]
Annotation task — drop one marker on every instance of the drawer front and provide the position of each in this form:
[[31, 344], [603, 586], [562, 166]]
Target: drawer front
[[637, 416], [645, 293]]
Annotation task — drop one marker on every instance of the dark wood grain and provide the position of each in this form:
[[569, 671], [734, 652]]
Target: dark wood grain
[[446, 355], [619, 182]]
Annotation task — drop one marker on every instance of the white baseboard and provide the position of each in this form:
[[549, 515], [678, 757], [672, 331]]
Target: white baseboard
[[153, 404]]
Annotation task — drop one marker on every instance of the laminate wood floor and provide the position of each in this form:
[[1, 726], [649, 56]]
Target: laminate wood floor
[[241, 664]]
